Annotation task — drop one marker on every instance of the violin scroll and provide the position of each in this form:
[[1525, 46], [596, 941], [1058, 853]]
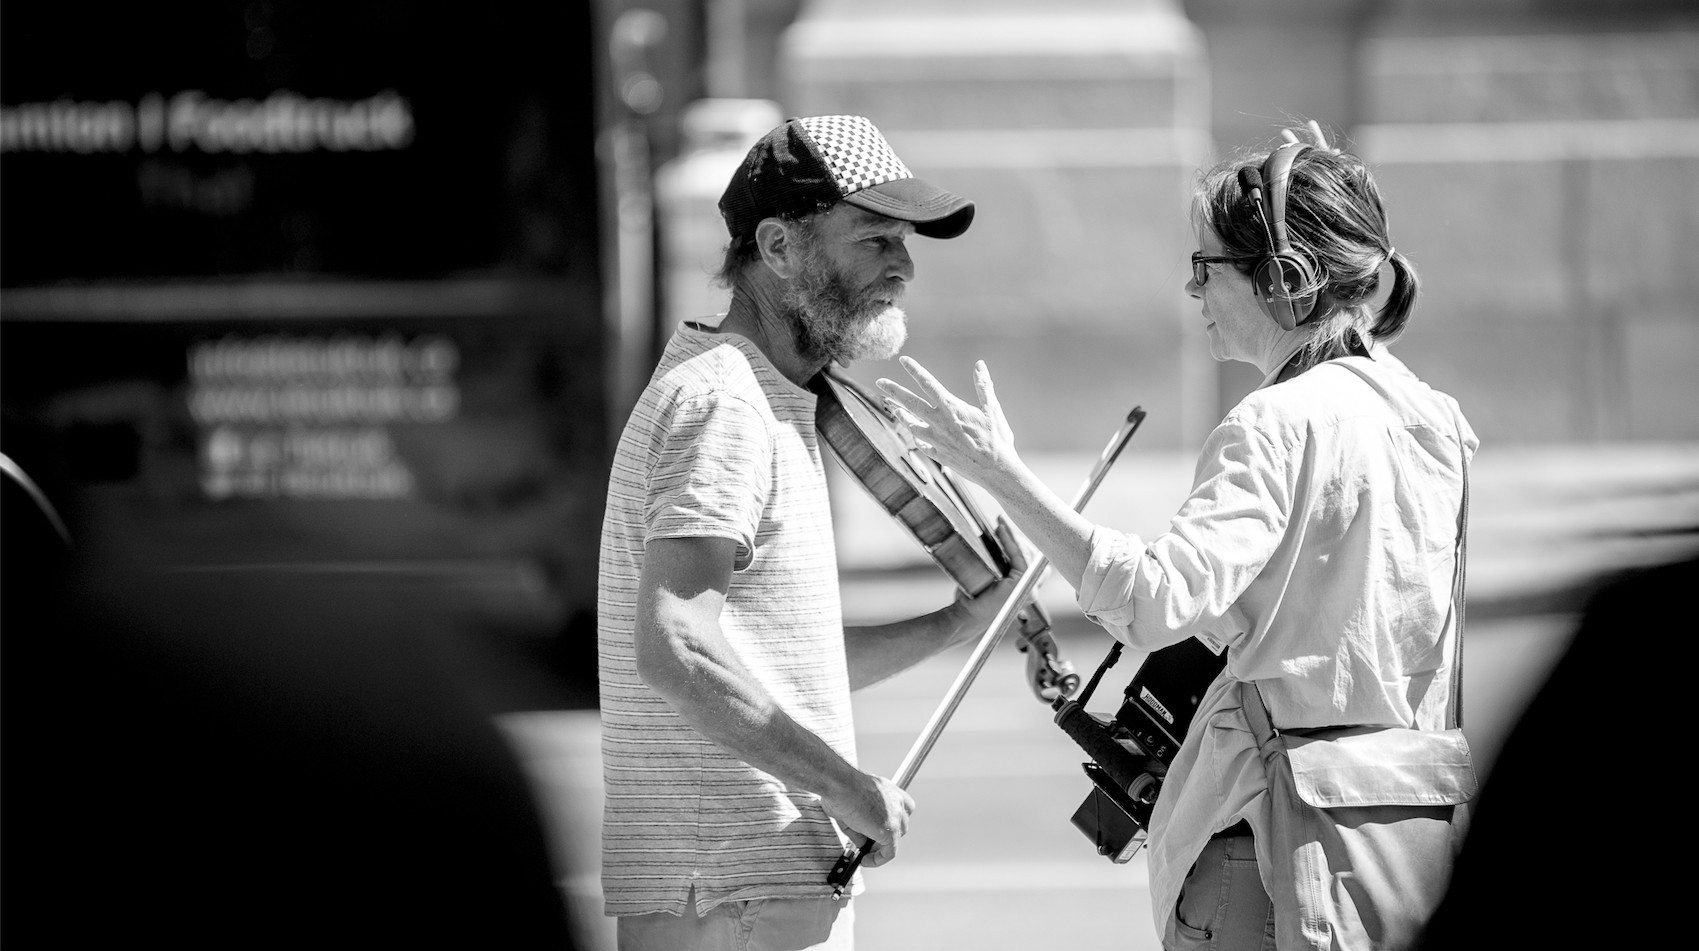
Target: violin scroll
[[1050, 675]]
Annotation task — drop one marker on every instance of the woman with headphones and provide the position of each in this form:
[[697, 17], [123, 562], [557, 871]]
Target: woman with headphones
[[1317, 798]]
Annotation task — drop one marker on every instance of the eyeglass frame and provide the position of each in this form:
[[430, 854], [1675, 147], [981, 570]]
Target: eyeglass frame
[[1200, 262]]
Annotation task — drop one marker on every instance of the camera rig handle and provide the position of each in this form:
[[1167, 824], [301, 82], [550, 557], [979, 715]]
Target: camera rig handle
[[1130, 752]]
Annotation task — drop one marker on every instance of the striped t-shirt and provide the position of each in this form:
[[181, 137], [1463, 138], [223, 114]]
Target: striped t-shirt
[[720, 444]]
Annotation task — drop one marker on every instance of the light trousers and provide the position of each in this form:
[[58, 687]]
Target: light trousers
[[766, 924]]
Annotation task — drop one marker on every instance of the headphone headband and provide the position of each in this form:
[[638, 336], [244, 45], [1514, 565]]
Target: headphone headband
[[1276, 173]]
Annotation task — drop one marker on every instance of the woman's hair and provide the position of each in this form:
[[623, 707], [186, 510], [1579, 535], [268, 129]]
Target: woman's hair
[[1335, 217]]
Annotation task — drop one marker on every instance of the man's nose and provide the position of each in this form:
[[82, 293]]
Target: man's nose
[[901, 265]]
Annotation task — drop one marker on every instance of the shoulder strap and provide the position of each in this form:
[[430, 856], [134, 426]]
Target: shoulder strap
[[1457, 589]]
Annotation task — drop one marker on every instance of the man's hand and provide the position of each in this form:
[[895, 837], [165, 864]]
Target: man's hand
[[1050, 675], [980, 611], [876, 652], [876, 809]]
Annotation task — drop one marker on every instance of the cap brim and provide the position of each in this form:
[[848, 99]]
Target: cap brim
[[935, 212]]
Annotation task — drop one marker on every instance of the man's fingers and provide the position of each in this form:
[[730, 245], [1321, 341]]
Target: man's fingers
[[1013, 544], [882, 852], [876, 853]]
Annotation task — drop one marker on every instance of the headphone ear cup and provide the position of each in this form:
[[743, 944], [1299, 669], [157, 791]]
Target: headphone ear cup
[[1267, 280], [1275, 279]]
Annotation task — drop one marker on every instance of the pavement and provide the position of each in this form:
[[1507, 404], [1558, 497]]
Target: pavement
[[991, 861]]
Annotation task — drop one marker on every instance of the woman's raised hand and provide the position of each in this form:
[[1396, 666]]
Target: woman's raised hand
[[1314, 129], [975, 441]]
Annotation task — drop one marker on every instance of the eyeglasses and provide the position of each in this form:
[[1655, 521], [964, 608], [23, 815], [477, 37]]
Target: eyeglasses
[[1201, 262]]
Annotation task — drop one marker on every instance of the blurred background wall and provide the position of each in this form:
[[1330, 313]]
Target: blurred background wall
[[366, 290], [1536, 155]]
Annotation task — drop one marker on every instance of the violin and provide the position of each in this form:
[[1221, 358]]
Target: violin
[[925, 499], [844, 869]]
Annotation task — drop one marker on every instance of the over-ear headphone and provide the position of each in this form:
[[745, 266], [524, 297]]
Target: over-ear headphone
[[1279, 278]]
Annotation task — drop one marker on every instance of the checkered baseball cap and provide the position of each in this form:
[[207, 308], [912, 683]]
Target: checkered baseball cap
[[804, 164]]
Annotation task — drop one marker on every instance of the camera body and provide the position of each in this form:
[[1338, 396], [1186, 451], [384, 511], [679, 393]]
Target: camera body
[[1131, 752]]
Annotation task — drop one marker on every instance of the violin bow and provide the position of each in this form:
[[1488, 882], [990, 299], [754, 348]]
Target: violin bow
[[841, 873]]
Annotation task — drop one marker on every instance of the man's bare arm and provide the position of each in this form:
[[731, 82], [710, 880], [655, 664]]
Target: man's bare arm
[[683, 654], [879, 651]]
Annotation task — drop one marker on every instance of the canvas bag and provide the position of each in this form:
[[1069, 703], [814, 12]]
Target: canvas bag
[[1364, 822]]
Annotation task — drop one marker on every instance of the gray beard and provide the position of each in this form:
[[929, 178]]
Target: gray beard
[[879, 337], [837, 324]]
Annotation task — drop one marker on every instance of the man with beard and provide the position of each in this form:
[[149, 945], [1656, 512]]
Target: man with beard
[[725, 665]]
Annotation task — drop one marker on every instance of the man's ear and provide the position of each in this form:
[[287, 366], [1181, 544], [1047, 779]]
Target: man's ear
[[776, 241]]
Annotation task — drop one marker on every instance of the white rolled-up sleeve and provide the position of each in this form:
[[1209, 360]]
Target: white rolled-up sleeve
[[1185, 582], [1106, 588]]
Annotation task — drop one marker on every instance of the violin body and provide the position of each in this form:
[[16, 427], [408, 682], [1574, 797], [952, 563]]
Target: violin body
[[926, 500], [908, 485]]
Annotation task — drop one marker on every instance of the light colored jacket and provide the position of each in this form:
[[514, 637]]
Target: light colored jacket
[[1318, 547]]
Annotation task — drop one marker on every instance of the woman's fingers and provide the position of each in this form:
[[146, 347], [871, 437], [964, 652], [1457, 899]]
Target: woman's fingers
[[1314, 128], [934, 391], [982, 383], [898, 396], [919, 406], [937, 421], [987, 391], [907, 407]]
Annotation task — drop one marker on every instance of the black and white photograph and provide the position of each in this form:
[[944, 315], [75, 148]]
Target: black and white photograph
[[907, 475]]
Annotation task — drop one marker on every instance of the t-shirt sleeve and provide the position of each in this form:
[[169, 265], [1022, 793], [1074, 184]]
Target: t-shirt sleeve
[[712, 475]]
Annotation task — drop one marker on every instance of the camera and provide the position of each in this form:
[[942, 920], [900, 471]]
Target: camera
[[1131, 752]]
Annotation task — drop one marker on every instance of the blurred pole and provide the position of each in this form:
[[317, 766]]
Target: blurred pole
[[717, 136], [625, 149], [728, 31], [718, 131]]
